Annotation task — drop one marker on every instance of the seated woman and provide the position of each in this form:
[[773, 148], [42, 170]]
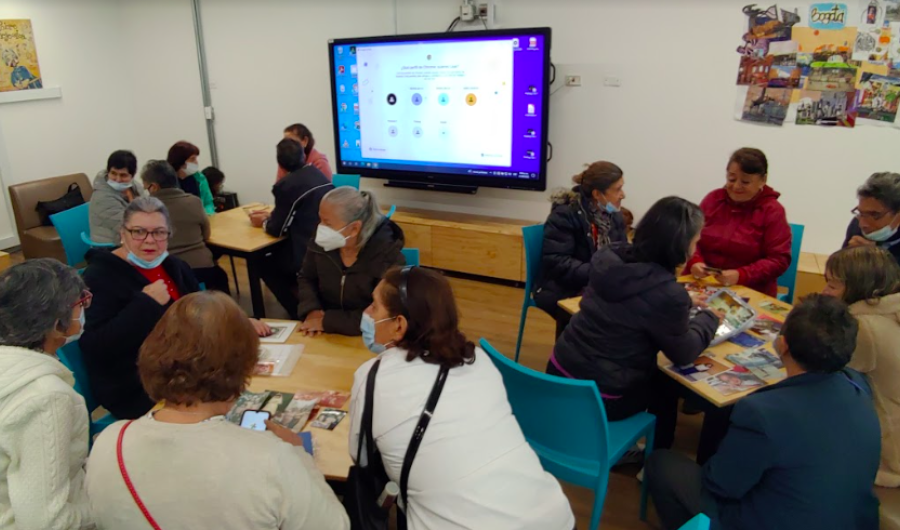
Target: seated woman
[[582, 220], [474, 468], [191, 467], [133, 286], [634, 308], [114, 188], [301, 133], [746, 235], [43, 421], [190, 224], [877, 217], [868, 280], [354, 246], [183, 158]]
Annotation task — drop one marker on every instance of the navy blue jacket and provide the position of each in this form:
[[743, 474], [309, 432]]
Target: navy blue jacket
[[799, 454], [892, 245]]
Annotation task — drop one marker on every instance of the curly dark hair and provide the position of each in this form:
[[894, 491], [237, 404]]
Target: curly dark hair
[[821, 334], [433, 333], [203, 350]]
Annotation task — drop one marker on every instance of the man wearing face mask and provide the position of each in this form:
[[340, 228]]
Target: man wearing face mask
[[114, 188], [298, 190], [877, 217]]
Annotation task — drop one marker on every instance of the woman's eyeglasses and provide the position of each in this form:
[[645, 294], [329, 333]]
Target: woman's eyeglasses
[[140, 234], [85, 300]]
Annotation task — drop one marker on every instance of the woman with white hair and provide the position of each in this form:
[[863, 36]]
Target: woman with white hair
[[353, 248], [133, 287], [43, 421]]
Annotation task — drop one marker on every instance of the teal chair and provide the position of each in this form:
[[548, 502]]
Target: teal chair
[[391, 212], [345, 180], [86, 238], [411, 255], [700, 522], [533, 236], [69, 225], [565, 423], [70, 355], [789, 278]]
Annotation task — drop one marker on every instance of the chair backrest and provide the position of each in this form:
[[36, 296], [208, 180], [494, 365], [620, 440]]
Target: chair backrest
[[699, 522], [24, 197], [533, 237], [411, 255], [789, 278], [538, 400], [345, 180], [70, 224], [391, 211], [70, 355], [93, 244]]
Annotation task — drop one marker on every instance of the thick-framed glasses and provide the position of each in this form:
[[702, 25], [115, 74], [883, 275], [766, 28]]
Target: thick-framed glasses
[[85, 300], [140, 234], [874, 216]]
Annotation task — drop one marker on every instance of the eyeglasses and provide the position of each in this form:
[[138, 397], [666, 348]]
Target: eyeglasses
[[140, 234], [874, 216], [85, 300]]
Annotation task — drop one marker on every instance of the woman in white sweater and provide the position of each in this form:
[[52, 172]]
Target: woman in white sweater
[[43, 421], [191, 468], [474, 468]]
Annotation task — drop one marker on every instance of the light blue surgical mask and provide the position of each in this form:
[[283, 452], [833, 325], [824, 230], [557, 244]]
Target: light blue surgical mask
[[611, 208], [367, 327], [882, 234], [118, 186], [72, 338], [144, 264]]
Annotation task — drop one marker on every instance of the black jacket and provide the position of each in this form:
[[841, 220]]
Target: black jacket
[[296, 213], [190, 185], [117, 322], [801, 453], [345, 292], [568, 247], [892, 245], [630, 312]]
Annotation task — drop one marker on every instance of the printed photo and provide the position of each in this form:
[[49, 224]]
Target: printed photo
[[328, 419], [702, 368], [759, 361], [733, 382], [295, 415], [831, 77], [787, 76], [19, 69], [772, 307], [878, 97], [328, 398], [746, 340], [766, 105], [827, 109], [766, 327], [735, 313], [247, 401]]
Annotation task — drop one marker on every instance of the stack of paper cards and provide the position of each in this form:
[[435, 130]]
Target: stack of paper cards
[[277, 359], [281, 331]]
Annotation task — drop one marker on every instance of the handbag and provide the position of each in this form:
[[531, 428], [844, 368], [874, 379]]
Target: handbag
[[365, 484], [71, 199], [128, 484]]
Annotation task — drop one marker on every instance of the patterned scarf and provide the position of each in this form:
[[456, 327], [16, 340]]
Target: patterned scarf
[[600, 221]]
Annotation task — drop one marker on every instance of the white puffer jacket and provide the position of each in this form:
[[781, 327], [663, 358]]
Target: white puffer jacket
[[43, 444]]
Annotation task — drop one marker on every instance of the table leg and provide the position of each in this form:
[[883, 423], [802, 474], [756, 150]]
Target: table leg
[[256, 295]]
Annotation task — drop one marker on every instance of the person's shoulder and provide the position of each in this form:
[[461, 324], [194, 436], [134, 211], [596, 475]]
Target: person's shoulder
[[716, 196]]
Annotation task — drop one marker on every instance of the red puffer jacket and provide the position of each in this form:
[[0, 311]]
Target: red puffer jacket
[[752, 237]]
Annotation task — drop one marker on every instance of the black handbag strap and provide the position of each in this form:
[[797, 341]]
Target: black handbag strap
[[419, 432], [368, 411]]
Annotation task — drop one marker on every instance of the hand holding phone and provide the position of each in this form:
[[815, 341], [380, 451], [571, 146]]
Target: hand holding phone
[[255, 419]]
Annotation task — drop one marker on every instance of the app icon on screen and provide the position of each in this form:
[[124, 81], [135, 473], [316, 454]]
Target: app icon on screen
[[532, 89], [356, 125], [358, 143], [515, 43], [532, 42], [343, 107], [392, 99], [529, 133], [342, 89], [352, 50], [529, 154], [356, 108], [530, 108], [417, 99], [346, 144], [471, 99], [340, 50], [443, 99], [392, 130], [353, 70], [341, 69], [355, 88]]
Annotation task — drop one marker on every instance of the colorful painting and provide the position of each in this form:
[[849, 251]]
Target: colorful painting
[[833, 77], [828, 16], [827, 109], [892, 10], [19, 70], [878, 98], [766, 105]]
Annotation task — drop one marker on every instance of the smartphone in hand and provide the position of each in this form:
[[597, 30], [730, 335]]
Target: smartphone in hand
[[255, 419]]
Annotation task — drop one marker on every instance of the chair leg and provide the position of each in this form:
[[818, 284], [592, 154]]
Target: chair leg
[[599, 499], [522, 319], [648, 449], [237, 286]]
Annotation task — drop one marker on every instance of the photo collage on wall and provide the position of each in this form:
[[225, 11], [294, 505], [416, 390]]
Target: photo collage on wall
[[828, 65]]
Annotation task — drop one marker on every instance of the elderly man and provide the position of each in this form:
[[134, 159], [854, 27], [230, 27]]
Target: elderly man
[[877, 217]]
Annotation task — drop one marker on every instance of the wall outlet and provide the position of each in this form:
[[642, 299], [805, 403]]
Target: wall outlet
[[483, 11], [573, 80], [611, 81], [467, 12], [487, 12]]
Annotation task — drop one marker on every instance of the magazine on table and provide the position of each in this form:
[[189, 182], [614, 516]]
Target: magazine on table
[[277, 360], [702, 368], [759, 361]]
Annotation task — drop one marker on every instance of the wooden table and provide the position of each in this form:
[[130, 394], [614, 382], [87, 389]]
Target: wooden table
[[717, 352], [5, 261], [328, 362], [233, 235]]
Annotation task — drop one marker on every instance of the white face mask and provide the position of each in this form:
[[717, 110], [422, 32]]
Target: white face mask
[[118, 186], [72, 338], [330, 239], [190, 168]]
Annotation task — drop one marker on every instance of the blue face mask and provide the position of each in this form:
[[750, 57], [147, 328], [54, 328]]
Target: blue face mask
[[367, 327], [144, 264], [118, 186], [72, 338], [882, 234], [611, 208]]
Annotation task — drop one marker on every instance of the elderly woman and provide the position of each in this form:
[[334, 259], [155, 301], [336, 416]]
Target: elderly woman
[[353, 248], [133, 287], [301, 133], [868, 280], [474, 468], [877, 217], [586, 218], [182, 157], [114, 188], [746, 238], [188, 465], [43, 421]]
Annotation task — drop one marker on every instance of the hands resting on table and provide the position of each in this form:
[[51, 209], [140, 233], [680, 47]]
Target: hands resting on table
[[313, 325]]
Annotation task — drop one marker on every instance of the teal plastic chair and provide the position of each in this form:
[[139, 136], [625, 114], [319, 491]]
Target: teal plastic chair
[[345, 180], [699, 522], [411, 255], [70, 355], [391, 211], [533, 236], [86, 238], [70, 224], [789, 278], [565, 423]]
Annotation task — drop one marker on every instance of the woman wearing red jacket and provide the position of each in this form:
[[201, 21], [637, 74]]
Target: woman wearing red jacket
[[746, 234]]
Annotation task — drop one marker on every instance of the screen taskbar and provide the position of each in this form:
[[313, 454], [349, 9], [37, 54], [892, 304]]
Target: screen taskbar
[[387, 166]]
